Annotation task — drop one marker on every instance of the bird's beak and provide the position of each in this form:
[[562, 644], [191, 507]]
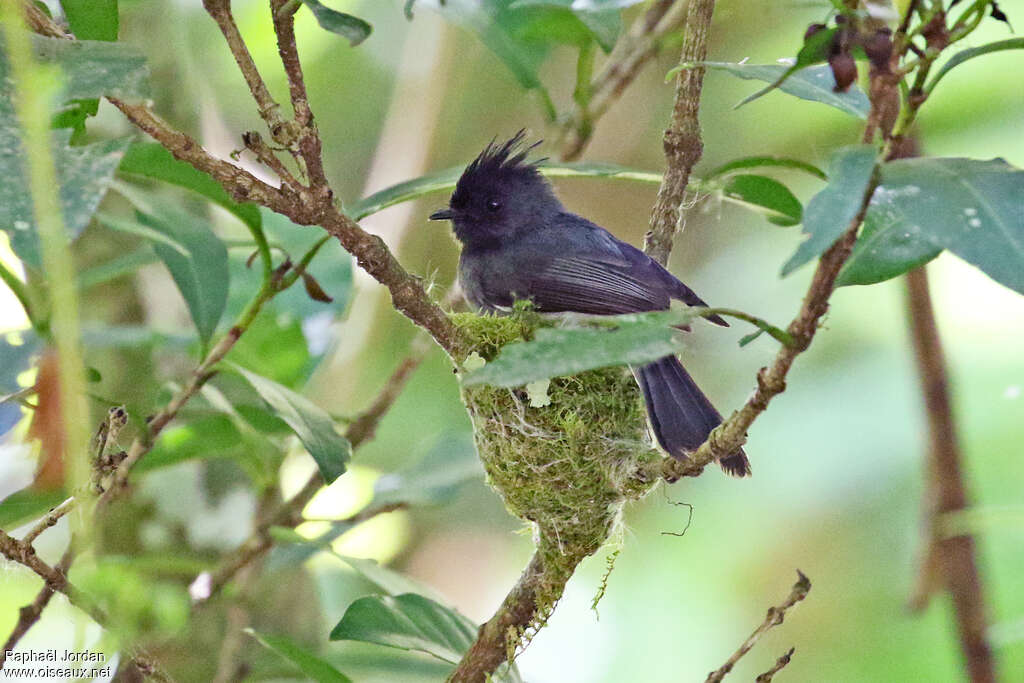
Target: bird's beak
[[442, 215]]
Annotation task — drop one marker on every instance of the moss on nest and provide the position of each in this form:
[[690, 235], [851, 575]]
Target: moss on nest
[[566, 467]]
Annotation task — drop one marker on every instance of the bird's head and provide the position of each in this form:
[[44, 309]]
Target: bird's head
[[499, 194]]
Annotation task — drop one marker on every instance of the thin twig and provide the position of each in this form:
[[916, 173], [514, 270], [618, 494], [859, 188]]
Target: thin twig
[[682, 141], [515, 614], [220, 11], [48, 521], [308, 140], [774, 617], [779, 665], [945, 560]]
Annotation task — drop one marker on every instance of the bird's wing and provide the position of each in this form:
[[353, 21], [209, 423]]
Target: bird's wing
[[599, 276]]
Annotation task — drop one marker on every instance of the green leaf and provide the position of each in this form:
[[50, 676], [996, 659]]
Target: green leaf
[[207, 437], [961, 57], [408, 622], [765, 195], [353, 29], [83, 173], [94, 68], [152, 160], [120, 266], [889, 244], [275, 347], [815, 49], [26, 505], [92, 19], [814, 83], [829, 212], [197, 259], [604, 24], [522, 37], [972, 208], [554, 352], [445, 180], [761, 161], [312, 666], [311, 424]]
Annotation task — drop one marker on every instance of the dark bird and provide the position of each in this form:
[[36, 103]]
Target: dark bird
[[519, 242]]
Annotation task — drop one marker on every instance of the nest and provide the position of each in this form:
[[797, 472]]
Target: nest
[[567, 467]]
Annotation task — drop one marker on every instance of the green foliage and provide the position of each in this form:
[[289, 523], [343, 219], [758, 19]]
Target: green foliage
[[92, 19], [352, 28], [26, 505], [830, 212], [83, 174], [634, 339], [332, 269], [311, 424], [315, 668], [409, 622], [766, 196], [970, 207], [763, 161], [814, 83], [152, 160], [970, 53], [522, 32], [814, 51], [88, 69], [136, 604], [602, 23], [196, 258], [93, 68]]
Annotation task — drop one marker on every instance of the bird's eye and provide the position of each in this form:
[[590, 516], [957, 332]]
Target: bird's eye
[[493, 205]]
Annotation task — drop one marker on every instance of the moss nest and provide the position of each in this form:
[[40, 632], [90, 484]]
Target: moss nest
[[566, 467]]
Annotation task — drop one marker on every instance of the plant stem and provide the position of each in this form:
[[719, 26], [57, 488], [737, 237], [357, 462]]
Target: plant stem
[[33, 87], [20, 291]]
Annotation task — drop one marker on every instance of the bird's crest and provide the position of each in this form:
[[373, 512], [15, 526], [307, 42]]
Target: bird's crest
[[499, 163]]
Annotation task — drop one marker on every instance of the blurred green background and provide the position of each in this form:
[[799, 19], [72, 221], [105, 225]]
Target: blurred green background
[[837, 459]]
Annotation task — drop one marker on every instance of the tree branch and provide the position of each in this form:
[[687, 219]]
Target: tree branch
[[516, 614], [306, 207], [774, 617], [945, 560], [269, 109], [682, 141]]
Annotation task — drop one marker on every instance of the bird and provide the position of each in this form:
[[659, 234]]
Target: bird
[[520, 243]]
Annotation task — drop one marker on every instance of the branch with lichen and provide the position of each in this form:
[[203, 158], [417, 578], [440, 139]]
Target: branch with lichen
[[682, 142], [774, 617]]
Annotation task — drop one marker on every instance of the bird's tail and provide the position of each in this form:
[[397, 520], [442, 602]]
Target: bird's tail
[[681, 415]]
